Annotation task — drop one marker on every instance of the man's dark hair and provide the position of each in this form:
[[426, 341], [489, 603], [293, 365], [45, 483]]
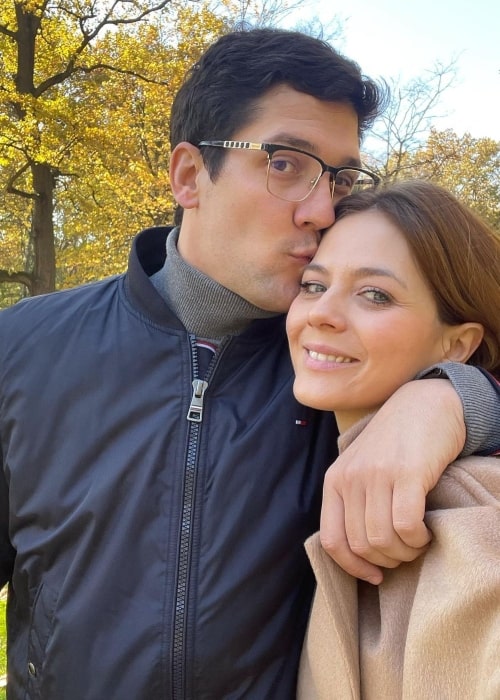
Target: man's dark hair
[[220, 92]]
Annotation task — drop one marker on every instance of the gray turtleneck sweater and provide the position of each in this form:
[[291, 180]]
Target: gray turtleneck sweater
[[221, 312]]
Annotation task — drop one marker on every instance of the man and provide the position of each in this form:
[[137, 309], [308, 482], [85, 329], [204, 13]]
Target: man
[[158, 477]]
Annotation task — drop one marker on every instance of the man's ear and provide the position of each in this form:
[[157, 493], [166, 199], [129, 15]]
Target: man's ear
[[185, 164], [462, 341]]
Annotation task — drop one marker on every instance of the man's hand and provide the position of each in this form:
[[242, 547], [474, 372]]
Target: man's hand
[[374, 493]]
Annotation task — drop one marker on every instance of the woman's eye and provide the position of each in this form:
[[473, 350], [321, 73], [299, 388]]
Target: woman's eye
[[377, 296], [312, 288]]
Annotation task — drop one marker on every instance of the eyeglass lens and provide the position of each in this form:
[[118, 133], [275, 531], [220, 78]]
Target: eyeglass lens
[[292, 176]]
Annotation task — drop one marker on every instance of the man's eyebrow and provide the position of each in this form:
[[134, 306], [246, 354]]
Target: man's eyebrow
[[296, 142], [359, 272], [290, 140]]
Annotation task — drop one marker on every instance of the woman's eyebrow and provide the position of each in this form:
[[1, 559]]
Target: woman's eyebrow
[[378, 272], [359, 272]]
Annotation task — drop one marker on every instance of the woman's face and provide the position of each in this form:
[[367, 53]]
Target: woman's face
[[364, 322]]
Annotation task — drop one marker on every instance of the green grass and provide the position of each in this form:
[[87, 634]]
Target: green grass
[[3, 640]]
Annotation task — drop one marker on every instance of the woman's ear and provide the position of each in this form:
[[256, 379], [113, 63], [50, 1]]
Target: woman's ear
[[462, 341], [185, 164]]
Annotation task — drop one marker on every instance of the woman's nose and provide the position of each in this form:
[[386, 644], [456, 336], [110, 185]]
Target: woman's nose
[[327, 311]]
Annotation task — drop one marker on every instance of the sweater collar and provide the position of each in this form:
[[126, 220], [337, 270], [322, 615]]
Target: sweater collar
[[147, 257], [204, 306]]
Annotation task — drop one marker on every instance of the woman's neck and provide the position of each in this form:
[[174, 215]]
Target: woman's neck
[[346, 419]]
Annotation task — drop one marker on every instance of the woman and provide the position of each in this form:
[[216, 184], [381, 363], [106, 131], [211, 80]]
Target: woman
[[407, 277]]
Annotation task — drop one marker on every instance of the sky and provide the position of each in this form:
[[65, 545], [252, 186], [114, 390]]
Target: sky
[[402, 39]]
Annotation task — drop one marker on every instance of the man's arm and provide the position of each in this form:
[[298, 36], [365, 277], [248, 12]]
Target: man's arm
[[374, 493], [480, 396], [6, 551]]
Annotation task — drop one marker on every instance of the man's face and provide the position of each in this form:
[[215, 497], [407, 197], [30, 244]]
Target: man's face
[[248, 240]]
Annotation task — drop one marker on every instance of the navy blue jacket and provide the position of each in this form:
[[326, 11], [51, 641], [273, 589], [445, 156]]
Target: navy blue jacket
[[151, 556]]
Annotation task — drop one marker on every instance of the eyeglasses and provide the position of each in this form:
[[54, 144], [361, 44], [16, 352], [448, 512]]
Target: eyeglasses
[[292, 174]]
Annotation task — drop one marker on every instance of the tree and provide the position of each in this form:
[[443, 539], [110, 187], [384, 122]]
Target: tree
[[123, 182], [469, 167], [56, 58], [254, 13], [411, 110]]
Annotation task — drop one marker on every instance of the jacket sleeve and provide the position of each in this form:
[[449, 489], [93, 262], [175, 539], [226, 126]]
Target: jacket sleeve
[[6, 549], [480, 395]]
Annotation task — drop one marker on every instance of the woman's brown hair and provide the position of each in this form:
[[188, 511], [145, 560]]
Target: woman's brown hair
[[456, 251]]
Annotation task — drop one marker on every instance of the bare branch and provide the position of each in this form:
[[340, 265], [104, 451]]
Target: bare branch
[[409, 117], [7, 32], [139, 17], [122, 71], [16, 278], [10, 187], [264, 13], [89, 36]]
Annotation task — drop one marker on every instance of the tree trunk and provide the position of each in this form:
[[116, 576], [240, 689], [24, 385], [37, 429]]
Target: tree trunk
[[43, 272], [42, 231]]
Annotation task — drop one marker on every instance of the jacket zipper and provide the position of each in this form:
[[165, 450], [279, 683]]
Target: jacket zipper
[[194, 417], [195, 413]]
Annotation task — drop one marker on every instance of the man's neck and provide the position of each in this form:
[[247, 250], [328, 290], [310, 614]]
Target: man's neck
[[205, 307]]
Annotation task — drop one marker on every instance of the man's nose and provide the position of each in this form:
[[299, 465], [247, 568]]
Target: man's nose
[[317, 209]]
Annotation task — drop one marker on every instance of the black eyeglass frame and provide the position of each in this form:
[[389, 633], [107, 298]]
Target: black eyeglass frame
[[271, 148]]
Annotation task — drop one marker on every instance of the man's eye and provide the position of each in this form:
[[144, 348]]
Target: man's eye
[[344, 182], [312, 288], [284, 164], [345, 179]]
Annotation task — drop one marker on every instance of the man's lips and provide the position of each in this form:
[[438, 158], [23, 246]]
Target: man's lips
[[304, 257]]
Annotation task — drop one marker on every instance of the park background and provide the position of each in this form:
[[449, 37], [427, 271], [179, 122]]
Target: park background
[[86, 89], [85, 94]]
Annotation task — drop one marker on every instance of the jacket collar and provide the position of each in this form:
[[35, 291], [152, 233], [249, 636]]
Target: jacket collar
[[147, 256]]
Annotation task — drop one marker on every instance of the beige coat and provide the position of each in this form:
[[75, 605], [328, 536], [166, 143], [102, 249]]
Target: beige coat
[[431, 630]]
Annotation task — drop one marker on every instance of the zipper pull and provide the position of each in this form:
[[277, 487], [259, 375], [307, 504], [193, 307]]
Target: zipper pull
[[195, 412]]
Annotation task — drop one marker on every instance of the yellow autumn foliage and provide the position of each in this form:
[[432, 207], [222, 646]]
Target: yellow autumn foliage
[[92, 112], [467, 166]]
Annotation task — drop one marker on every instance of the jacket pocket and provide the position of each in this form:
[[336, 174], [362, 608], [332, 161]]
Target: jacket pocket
[[41, 625]]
